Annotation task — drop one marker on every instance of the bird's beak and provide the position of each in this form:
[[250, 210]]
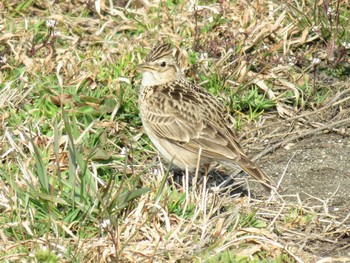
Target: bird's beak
[[144, 67]]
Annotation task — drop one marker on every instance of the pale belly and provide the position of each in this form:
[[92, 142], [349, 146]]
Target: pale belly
[[175, 154]]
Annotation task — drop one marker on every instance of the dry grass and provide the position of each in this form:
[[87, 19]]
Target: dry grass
[[79, 181]]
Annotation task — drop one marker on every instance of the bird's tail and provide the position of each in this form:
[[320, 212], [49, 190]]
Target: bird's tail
[[253, 170]]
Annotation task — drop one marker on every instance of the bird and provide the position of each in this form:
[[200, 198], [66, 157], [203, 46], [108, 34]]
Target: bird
[[185, 122]]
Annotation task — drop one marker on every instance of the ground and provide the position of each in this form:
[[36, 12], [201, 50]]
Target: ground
[[317, 170]]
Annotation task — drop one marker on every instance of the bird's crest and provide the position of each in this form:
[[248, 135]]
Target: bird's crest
[[162, 50]]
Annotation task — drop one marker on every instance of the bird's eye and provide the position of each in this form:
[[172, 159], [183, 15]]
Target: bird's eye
[[163, 64]]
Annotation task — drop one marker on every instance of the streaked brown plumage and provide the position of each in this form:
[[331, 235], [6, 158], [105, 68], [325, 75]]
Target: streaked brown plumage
[[183, 119]]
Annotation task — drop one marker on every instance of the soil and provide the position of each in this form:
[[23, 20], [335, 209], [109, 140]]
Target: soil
[[318, 170], [318, 166]]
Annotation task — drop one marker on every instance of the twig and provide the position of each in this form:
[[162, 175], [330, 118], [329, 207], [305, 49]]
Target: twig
[[260, 239], [299, 136], [280, 180], [332, 103]]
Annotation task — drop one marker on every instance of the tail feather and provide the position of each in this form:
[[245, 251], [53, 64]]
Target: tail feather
[[260, 176]]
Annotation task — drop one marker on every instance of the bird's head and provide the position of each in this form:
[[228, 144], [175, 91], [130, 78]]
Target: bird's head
[[161, 65]]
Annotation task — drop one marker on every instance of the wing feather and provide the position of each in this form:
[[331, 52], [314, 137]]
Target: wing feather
[[192, 118]]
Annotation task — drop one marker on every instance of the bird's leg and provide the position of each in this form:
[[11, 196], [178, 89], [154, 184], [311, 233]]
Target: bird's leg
[[206, 168]]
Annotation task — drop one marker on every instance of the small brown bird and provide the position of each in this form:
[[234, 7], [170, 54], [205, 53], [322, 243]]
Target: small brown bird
[[184, 121]]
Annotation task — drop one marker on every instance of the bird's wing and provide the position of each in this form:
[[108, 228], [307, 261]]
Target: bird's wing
[[192, 118]]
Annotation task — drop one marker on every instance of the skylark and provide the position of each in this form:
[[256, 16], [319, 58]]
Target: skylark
[[185, 122]]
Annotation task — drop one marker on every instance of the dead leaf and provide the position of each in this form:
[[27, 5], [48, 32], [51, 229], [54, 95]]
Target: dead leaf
[[249, 251], [219, 226], [61, 100]]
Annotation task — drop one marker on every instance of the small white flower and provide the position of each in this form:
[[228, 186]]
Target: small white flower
[[316, 61], [291, 61], [265, 47], [346, 45], [2, 60], [105, 223], [330, 11], [123, 151], [50, 23], [316, 30], [203, 55]]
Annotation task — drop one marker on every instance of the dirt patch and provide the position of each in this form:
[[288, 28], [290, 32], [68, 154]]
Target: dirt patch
[[317, 170]]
